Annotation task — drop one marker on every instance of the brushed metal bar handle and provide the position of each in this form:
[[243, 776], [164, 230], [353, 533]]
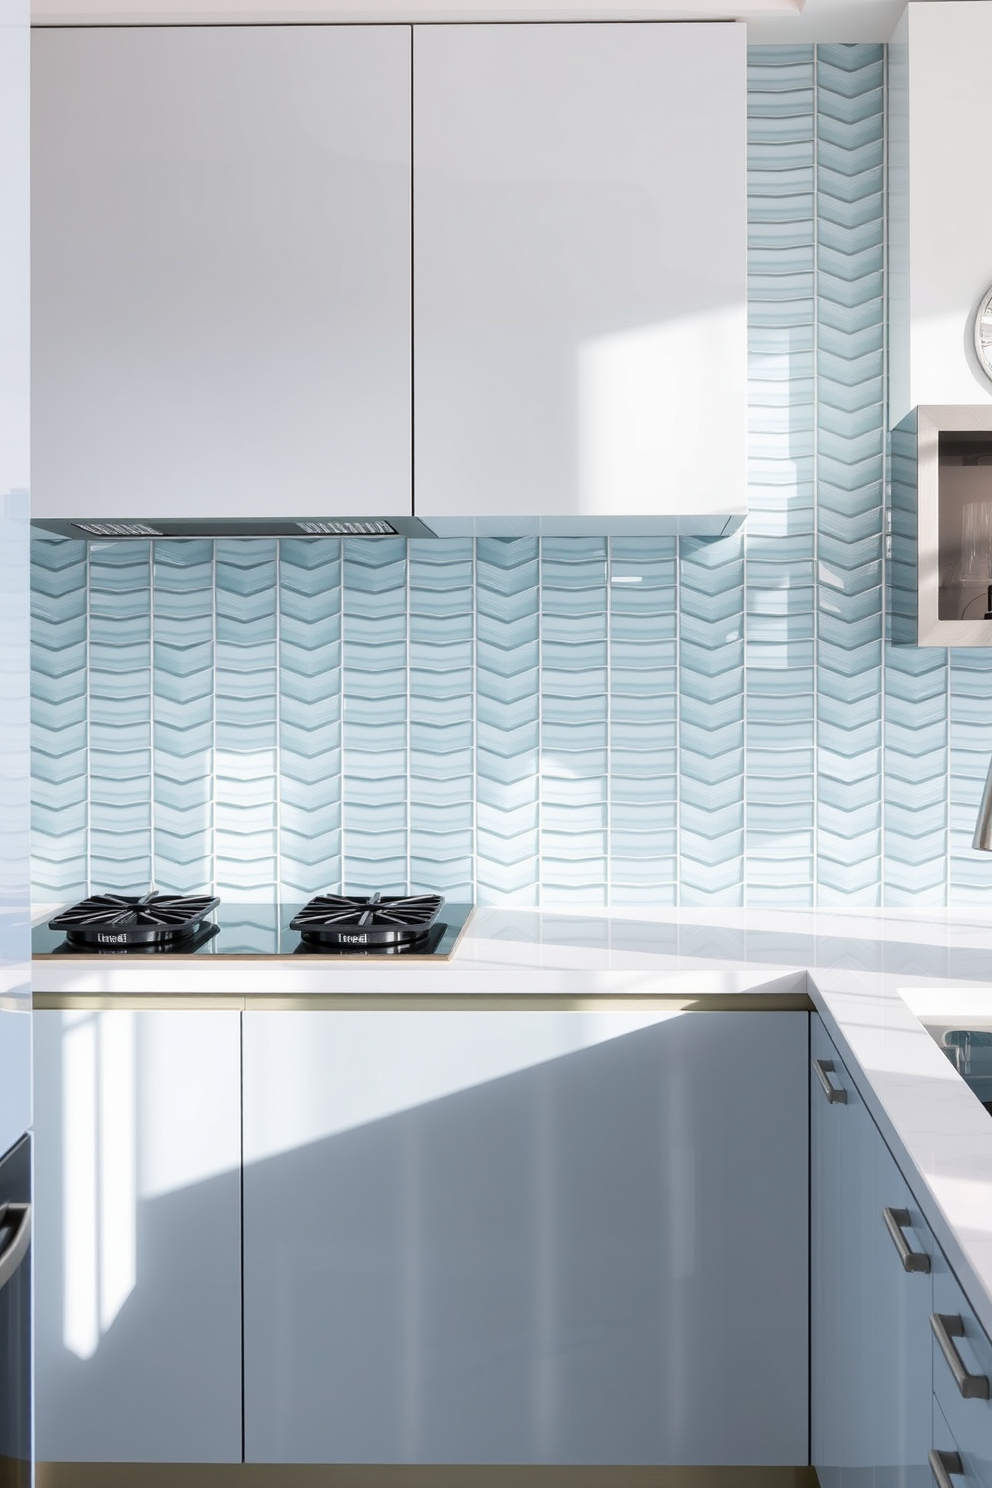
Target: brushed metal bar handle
[[945, 1329], [824, 1069], [944, 1466], [897, 1221], [17, 1248]]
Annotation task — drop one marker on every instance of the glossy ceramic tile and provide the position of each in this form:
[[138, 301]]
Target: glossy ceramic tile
[[582, 721]]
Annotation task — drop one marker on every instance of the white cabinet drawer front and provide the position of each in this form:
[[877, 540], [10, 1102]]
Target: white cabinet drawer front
[[525, 1238]]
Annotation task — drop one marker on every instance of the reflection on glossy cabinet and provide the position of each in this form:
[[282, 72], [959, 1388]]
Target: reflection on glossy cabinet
[[525, 1237], [138, 1236]]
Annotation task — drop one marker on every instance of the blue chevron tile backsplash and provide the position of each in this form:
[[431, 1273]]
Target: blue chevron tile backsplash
[[589, 721]]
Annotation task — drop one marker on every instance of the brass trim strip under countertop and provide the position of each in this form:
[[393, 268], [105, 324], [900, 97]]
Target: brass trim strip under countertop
[[758, 1001], [297, 1475]]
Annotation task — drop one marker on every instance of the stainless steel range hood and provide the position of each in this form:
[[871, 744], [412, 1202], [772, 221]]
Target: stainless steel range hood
[[109, 529]]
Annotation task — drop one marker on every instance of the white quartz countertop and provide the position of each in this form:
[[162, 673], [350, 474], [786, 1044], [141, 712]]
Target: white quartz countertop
[[871, 974]]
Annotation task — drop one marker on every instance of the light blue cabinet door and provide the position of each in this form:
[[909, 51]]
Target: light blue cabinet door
[[967, 1414], [138, 1236], [968, 1470], [842, 1203], [15, 793], [903, 1375], [526, 1237]]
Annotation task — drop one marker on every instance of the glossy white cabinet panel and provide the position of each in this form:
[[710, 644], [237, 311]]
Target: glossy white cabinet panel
[[221, 259], [15, 793], [580, 319], [525, 1237], [138, 1236]]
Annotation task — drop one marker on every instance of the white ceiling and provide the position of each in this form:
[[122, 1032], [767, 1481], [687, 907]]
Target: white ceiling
[[768, 20]]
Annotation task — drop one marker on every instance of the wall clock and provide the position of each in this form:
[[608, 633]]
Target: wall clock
[[983, 334]]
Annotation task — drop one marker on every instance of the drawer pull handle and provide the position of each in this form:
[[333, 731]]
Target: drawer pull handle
[[17, 1247], [824, 1069], [896, 1222], [945, 1329], [944, 1466]]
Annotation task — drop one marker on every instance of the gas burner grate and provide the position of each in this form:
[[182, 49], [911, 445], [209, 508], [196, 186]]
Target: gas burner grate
[[132, 920], [364, 920]]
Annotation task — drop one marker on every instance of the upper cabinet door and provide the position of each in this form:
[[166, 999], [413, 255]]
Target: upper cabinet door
[[221, 271], [580, 244]]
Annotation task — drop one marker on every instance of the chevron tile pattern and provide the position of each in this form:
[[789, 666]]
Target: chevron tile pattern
[[59, 721], [183, 702], [643, 702], [780, 543], [441, 629], [508, 727], [310, 706], [851, 423], [582, 721]]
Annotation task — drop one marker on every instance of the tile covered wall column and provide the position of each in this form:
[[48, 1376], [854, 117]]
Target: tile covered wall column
[[711, 721], [376, 757], [310, 604], [507, 597], [574, 721], [246, 772], [59, 721], [780, 542], [120, 745], [183, 682], [442, 726], [643, 702], [851, 424]]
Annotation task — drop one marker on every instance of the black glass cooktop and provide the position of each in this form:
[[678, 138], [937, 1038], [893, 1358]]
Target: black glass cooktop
[[264, 930]]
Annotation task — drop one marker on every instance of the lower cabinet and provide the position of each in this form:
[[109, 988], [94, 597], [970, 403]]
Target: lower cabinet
[[137, 1236], [525, 1237], [962, 1384], [887, 1410]]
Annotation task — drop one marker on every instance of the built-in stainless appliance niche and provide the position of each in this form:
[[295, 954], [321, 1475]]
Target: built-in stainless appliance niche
[[964, 525], [940, 527]]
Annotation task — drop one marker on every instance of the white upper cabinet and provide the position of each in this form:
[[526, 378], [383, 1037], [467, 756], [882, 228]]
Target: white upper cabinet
[[259, 262], [221, 263], [940, 212], [580, 318]]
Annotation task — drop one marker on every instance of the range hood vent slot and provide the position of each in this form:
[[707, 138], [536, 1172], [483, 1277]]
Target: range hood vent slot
[[332, 528], [118, 529]]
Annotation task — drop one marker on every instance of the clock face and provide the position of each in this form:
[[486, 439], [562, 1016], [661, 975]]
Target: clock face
[[983, 334]]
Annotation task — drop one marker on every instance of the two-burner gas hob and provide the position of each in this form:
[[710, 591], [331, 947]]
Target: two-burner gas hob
[[415, 925]]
